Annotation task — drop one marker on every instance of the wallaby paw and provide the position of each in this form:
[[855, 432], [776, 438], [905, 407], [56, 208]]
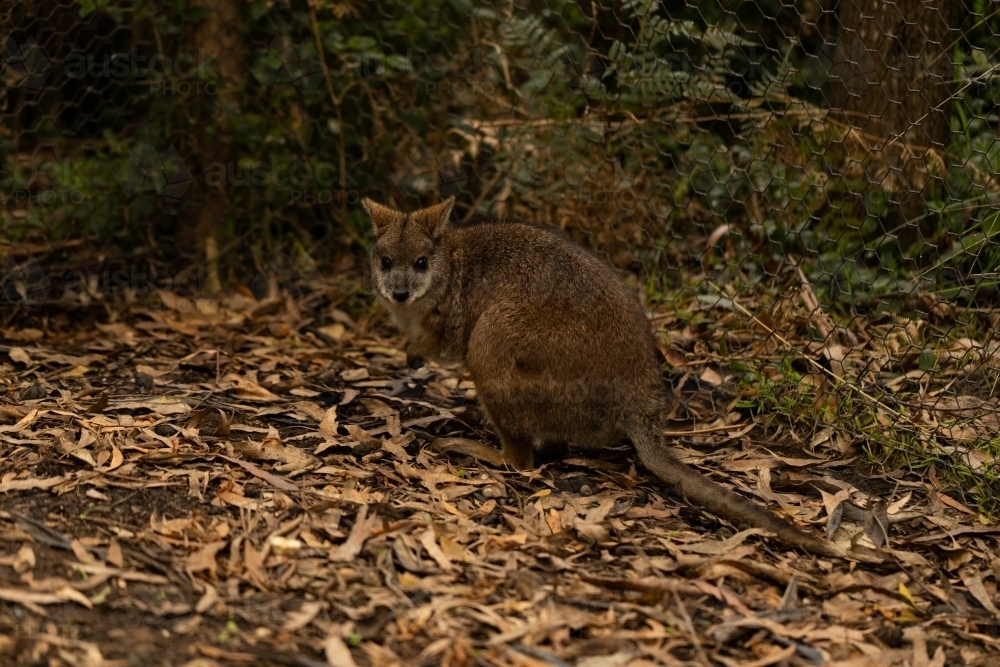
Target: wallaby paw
[[414, 362]]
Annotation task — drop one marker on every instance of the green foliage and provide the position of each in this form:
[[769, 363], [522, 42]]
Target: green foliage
[[712, 105], [713, 109]]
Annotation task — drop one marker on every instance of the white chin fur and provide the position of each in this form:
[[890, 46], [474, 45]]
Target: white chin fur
[[409, 302], [396, 305]]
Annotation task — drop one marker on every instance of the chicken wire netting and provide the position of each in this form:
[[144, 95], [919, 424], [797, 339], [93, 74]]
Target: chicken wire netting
[[803, 192]]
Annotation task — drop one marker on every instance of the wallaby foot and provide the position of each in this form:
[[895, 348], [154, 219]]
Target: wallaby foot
[[414, 362], [519, 455]]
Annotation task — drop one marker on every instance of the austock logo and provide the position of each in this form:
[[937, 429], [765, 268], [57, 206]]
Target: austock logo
[[23, 65], [147, 169], [284, 62], [23, 282], [422, 170], [282, 272]]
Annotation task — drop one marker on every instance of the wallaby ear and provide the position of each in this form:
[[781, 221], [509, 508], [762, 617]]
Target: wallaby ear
[[434, 218], [381, 216]]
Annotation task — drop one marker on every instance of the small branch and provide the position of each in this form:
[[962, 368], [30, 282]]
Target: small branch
[[335, 100], [702, 656]]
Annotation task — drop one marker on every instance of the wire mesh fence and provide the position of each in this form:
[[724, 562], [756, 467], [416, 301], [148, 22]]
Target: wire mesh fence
[[803, 192]]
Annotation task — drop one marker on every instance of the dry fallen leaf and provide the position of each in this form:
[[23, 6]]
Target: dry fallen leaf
[[362, 529], [336, 651], [248, 389], [974, 582], [204, 559], [20, 355], [429, 541], [63, 594], [323, 520], [718, 547], [304, 616]]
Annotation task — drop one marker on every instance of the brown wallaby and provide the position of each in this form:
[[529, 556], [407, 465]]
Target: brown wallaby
[[559, 348]]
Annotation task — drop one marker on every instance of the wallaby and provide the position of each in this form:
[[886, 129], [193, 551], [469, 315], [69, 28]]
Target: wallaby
[[558, 347]]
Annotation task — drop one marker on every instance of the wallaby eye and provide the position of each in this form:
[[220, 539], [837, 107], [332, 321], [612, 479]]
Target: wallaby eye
[[420, 264], [386, 262]]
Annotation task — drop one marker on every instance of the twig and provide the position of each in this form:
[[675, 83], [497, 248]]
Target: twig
[[28, 250], [644, 585], [949, 99], [335, 100], [482, 195], [713, 429], [214, 387], [691, 631]]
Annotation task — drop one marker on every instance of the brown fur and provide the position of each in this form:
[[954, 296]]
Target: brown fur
[[559, 348]]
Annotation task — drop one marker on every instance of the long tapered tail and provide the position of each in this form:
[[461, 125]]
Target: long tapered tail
[[651, 448]]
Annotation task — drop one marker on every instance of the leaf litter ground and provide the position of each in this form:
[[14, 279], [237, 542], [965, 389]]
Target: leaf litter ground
[[234, 482]]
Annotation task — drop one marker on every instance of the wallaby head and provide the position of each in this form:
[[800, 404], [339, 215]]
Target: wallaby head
[[406, 258]]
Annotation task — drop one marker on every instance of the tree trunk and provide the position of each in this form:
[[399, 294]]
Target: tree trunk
[[889, 82], [222, 37]]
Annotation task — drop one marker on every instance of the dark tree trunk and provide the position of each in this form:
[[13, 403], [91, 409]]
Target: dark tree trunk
[[223, 37], [890, 81]]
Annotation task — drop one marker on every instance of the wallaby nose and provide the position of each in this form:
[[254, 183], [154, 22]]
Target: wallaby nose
[[401, 296]]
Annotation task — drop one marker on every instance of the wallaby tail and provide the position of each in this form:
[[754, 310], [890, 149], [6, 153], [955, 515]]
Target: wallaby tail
[[652, 451]]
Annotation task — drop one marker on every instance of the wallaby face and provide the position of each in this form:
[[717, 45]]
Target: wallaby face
[[406, 260]]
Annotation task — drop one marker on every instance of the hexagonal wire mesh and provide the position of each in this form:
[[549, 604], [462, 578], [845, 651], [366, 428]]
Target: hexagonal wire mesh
[[804, 191]]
